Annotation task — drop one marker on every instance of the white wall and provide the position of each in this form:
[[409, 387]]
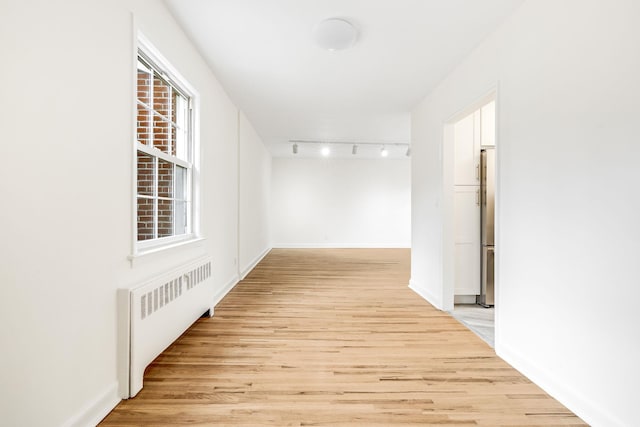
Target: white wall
[[255, 197], [568, 230], [341, 203], [67, 122]]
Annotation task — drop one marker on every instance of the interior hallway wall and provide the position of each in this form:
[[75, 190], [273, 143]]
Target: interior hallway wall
[[567, 208], [341, 202], [255, 197], [67, 115]]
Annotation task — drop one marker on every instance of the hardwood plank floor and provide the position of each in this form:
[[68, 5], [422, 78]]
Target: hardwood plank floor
[[333, 337]]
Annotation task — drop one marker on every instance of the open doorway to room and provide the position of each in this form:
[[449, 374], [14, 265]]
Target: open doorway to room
[[469, 149]]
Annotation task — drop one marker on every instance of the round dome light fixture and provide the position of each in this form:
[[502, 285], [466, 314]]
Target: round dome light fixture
[[335, 34]]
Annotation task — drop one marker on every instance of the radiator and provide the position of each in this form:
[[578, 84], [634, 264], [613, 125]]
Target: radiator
[[155, 313]]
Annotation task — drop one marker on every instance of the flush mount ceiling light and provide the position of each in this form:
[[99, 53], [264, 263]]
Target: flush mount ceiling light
[[335, 34]]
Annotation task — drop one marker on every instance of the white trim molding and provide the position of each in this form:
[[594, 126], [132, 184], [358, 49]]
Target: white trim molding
[[425, 294], [226, 288], [252, 264], [342, 246], [231, 283], [97, 409], [575, 401]]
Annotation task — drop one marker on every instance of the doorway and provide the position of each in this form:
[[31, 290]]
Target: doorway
[[469, 149]]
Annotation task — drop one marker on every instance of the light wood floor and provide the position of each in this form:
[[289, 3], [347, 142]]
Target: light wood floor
[[333, 338]]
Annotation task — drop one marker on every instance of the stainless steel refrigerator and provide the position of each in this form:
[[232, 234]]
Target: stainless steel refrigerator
[[487, 218]]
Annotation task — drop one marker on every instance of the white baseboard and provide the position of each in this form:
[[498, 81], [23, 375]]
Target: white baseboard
[[589, 411], [253, 263], [231, 283], [425, 294], [97, 409], [226, 288], [342, 246]]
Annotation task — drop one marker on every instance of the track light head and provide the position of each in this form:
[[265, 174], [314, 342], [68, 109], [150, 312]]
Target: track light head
[[325, 151], [408, 154], [384, 152], [295, 148], [354, 150]]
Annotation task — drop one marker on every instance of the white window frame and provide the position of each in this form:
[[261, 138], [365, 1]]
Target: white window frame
[[150, 53]]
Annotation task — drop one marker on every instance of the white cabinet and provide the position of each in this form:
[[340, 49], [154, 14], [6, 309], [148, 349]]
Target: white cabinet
[[467, 240], [467, 150], [470, 135]]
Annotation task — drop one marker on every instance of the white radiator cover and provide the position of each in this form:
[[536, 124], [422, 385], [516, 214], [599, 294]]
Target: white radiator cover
[[155, 313]]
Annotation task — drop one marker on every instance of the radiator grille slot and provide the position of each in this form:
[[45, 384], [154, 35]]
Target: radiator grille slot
[[173, 289]]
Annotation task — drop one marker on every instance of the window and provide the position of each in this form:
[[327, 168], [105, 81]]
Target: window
[[165, 152]]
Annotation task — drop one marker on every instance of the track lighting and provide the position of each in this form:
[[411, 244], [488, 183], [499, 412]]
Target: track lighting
[[325, 147]]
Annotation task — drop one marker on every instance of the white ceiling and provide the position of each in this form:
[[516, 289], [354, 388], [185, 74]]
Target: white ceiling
[[264, 54]]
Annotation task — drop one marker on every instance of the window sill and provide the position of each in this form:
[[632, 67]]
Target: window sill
[[164, 248]]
